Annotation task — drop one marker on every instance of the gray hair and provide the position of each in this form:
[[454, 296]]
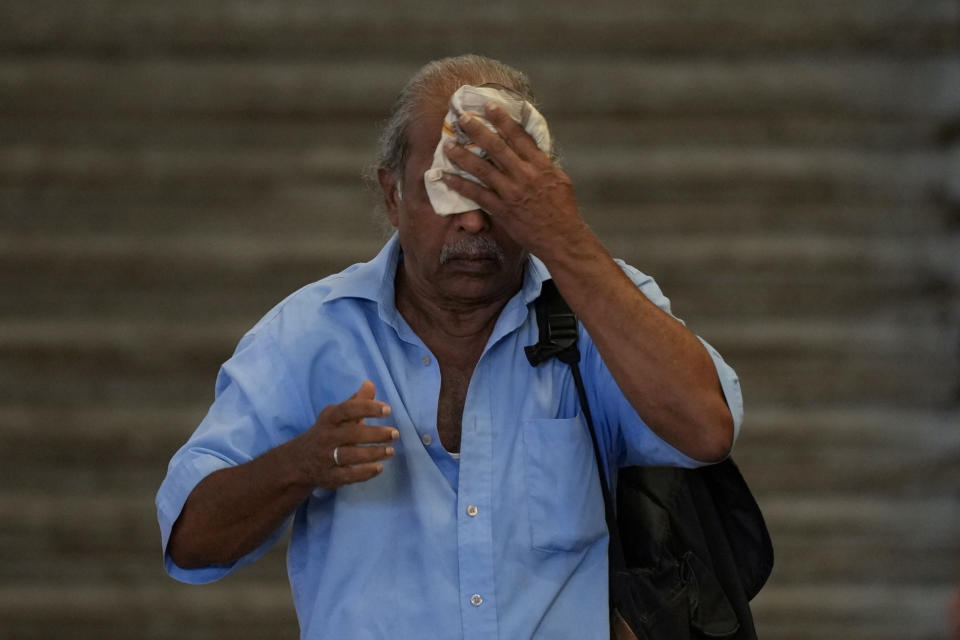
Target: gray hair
[[437, 81]]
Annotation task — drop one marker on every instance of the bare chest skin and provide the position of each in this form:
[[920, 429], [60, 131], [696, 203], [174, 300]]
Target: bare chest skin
[[457, 357], [457, 342], [453, 394], [457, 360]]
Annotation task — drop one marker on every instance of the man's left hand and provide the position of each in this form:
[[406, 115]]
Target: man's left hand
[[528, 195]]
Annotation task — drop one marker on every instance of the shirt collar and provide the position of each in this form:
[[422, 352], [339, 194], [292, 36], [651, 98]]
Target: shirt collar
[[368, 280]]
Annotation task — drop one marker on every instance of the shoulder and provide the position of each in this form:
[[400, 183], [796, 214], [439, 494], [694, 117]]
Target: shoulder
[[647, 285], [321, 306], [336, 296]]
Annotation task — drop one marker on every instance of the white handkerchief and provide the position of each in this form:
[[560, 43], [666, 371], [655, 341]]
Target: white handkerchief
[[445, 200]]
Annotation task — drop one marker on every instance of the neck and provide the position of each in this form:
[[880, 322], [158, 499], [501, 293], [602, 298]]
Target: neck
[[454, 318]]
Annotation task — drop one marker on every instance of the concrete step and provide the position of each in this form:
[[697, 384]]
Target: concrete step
[[811, 364], [93, 450], [152, 610], [841, 84], [853, 611], [109, 535], [570, 130], [871, 536], [625, 173], [769, 175], [892, 450], [296, 26], [124, 365]]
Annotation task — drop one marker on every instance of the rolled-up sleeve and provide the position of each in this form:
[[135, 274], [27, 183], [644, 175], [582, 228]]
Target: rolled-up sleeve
[[255, 408], [630, 440]]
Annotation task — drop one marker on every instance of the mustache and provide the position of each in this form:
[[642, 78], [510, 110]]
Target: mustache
[[472, 248]]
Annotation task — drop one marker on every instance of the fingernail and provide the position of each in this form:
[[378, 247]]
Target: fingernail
[[449, 144], [385, 410], [390, 451], [492, 106], [379, 467], [395, 435], [465, 118]]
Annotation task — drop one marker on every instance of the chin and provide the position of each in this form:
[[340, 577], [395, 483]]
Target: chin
[[480, 287]]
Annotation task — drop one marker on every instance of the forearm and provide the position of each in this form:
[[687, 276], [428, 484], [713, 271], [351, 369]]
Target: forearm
[[233, 510], [660, 366]]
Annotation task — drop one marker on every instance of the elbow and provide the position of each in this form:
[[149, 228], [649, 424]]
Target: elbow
[[717, 432], [178, 548], [184, 548]]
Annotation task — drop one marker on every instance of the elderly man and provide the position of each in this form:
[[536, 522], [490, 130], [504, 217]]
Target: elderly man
[[439, 486]]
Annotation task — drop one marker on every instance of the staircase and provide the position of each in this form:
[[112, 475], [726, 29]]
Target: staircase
[[789, 172]]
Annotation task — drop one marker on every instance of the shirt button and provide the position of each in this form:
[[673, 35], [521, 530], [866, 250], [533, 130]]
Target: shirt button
[[426, 439], [472, 510], [425, 360], [476, 600]]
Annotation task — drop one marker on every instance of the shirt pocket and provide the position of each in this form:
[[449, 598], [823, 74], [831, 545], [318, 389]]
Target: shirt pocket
[[564, 500]]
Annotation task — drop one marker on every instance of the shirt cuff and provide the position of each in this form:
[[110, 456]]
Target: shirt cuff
[[176, 488], [730, 384]]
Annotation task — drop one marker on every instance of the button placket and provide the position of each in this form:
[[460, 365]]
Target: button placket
[[475, 535]]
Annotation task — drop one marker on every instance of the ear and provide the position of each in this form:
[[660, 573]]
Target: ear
[[391, 197]]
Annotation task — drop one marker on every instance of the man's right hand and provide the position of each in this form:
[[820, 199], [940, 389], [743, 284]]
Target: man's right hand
[[233, 510], [340, 448]]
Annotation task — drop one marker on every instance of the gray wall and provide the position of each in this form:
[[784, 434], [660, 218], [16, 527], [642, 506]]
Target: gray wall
[[788, 171]]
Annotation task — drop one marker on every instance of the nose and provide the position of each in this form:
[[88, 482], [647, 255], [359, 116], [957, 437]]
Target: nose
[[473, 221]]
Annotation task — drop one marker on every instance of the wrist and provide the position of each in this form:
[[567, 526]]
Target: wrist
[[571, 250], [292, 464]]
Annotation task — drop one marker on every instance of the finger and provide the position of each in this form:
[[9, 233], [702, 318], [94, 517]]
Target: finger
[[521, 142], [491, 142], [350, 456], [351, 434], [481, 168], [355, 410], [487, 199], [356, 473]]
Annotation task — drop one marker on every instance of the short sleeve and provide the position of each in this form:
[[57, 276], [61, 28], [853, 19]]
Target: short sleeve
[[255, 408], [627, 437]]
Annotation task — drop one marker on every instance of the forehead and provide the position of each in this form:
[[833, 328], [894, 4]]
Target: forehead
[[425, 124]]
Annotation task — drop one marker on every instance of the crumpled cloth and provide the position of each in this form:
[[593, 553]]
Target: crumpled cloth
[[445, 200]]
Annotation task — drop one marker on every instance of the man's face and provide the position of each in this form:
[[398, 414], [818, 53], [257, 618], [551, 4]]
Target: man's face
[[463, 257]]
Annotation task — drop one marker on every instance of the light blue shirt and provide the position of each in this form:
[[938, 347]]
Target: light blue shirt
[[508, 541]]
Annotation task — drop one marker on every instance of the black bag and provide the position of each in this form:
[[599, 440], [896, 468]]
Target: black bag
[[688, 547]]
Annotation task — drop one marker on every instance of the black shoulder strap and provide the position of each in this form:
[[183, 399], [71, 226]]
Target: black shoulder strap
[[558, 328]]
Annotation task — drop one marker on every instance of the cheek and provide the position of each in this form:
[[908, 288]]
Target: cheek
[[418, 232], [511, 248]]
